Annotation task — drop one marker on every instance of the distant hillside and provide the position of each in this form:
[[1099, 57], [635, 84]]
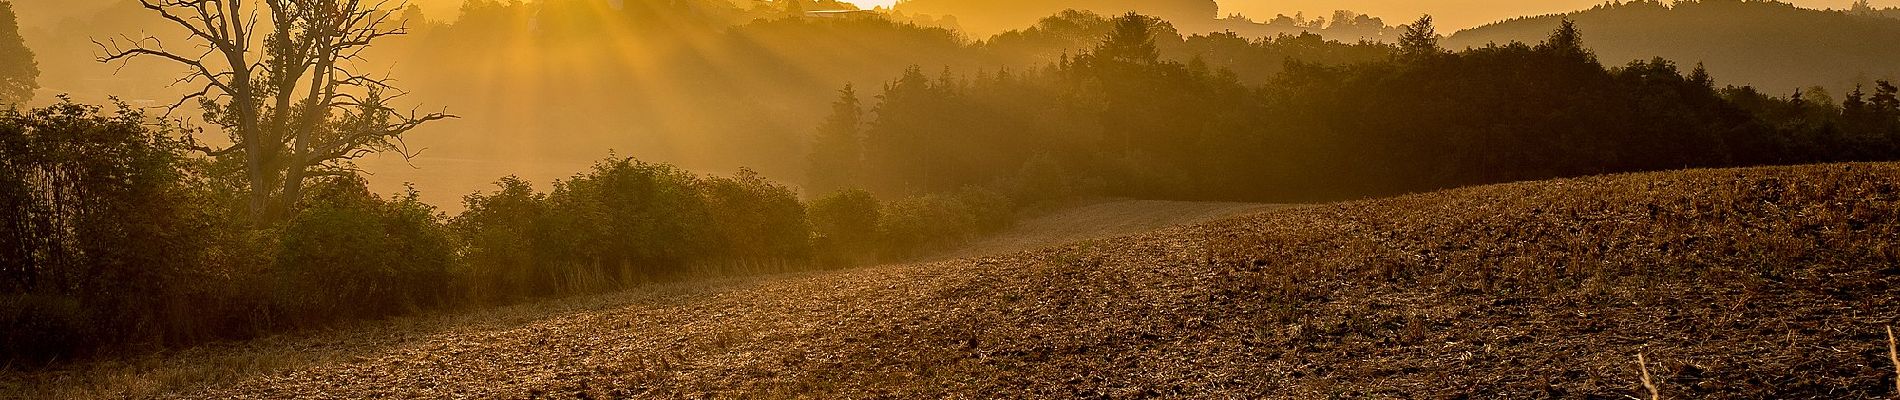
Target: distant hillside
[[982, 18], [1774, 46], [1862, 8]]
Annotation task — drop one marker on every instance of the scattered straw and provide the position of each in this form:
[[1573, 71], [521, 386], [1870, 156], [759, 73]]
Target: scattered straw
[[1643, 363], [1893, 353]]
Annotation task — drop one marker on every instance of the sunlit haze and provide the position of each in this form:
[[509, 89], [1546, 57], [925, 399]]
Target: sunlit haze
[[1454, 14], [1260, 199]]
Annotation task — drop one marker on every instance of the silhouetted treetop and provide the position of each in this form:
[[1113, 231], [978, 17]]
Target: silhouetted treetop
[[1420, 38], [19, 73]]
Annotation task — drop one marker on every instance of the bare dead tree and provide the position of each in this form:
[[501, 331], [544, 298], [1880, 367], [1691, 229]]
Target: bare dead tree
[[297, 109]]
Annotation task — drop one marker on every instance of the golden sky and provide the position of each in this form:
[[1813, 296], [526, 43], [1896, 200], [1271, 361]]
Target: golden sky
[[1452, 15]]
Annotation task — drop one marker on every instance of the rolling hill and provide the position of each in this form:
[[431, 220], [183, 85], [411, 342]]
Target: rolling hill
[[1773, 46], [982, 18], [1733, 283]]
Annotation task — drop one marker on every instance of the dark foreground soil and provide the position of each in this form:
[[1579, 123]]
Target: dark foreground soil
[[1755, 283]]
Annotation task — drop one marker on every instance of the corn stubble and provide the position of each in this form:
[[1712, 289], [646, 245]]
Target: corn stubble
[[1752, 283]]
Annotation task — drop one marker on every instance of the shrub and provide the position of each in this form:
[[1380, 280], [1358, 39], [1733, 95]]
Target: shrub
[[102, 225], [917, 224], [500, 232], [626, 222], [990, 210], [351, 254], [630, 221], [845, 226], [758, 221]]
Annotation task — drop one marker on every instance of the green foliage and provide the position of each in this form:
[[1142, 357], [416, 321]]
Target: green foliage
[[101, 222], [990, 210], [1131, 41], [1568, 40], [19, 74], [912, 225], [501, 231], [756, 219], [1257, 61], [988, 16], [1359, 125], [351, 254], [837, 155], [1044, 180], [631, 221], [1420, 39], [845, 226], [623, 223]]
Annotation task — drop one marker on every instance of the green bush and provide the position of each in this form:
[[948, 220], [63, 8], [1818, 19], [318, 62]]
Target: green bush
[[102, 220], [990, 210], [845, 227], [631, 221], [113, 236], [351, 254], [500, 232], [626, 222], [758, 222], [913, 225]]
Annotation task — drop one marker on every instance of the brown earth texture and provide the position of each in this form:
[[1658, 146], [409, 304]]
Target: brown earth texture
[[1740, 283]]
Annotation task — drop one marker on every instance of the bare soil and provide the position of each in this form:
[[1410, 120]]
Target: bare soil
[[1750, 283]]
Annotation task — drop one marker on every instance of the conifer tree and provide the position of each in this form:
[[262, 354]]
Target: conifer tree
[[1567, 40], [19, 74], [1132, 41], [1420, 39], [838, 146], [1700, 76]]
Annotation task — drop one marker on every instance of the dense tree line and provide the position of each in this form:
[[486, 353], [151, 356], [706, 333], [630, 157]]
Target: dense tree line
[[1835, 49], [115, 233], [1126, 122]]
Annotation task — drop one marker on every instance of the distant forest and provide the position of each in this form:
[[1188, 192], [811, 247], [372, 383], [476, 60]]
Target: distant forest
[[1773, 46], [988, 17], [1121, 120]]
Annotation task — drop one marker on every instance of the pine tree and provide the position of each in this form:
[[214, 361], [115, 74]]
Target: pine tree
[[1420, 39], [838, 147], [19, 74], [1568, 41], [1700, 76], [1132, 41], [1886, 99], [1855, 104]]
